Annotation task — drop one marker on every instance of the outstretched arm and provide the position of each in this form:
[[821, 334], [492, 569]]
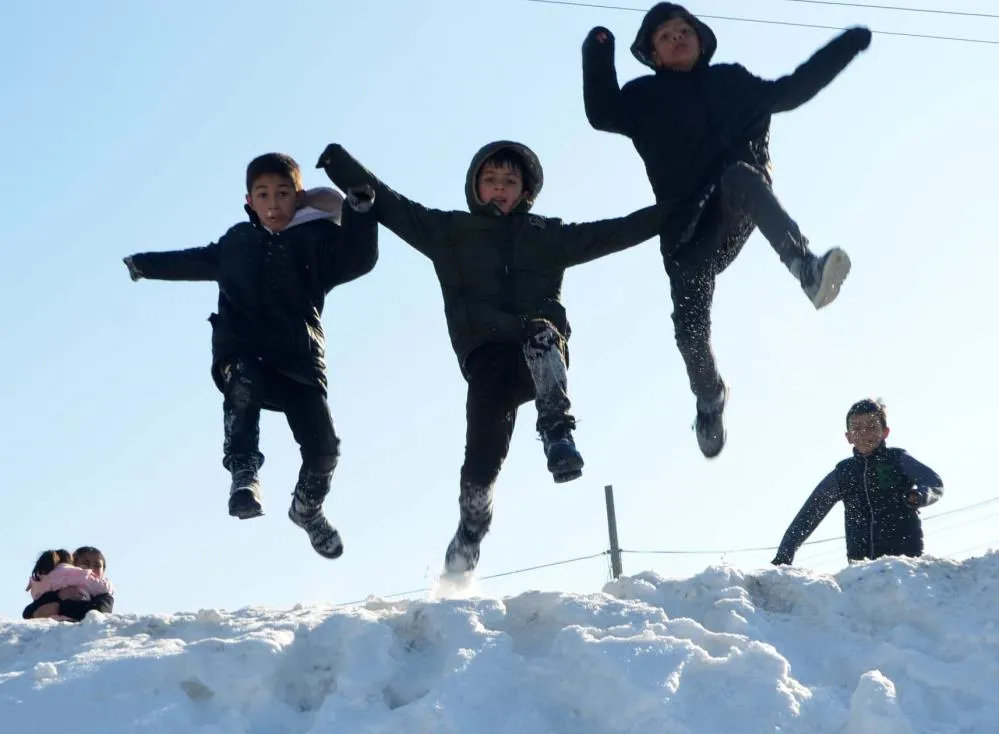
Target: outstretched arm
[[356, 251], [413, 223], [602, 99], [591, 240], [815, 74], [197, 263], [927, 486], [813, 512]]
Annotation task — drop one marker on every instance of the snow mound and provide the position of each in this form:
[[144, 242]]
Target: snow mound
[[887, 647]]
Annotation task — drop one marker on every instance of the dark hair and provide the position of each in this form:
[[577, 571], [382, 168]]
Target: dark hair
[[868, 406], [507, 158], [48, 560], [279, 164], [89, 549]]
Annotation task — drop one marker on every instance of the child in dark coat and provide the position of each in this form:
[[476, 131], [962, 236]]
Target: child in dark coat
[[268, 348], [702, 131], [500, 269], [882, 490]]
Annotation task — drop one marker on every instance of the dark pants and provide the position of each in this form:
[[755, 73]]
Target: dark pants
[[741, 201], [501, 378], [247, 386]]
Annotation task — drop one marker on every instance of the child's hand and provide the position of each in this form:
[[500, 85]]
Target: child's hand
[[600, 35], [133, 272], [914, 498], [860, 37]]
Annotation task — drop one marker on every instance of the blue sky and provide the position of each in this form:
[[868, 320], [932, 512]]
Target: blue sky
[[128, 127]]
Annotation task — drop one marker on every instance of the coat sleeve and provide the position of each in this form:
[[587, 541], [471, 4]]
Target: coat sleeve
[[356, 251], [602, 99], [49, 597], [926, 482], [797, 88], [413, 223], [196, 263], [581, 243], [813, 512]]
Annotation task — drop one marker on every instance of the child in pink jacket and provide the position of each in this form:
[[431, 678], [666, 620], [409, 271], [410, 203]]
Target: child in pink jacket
[[54, 571]]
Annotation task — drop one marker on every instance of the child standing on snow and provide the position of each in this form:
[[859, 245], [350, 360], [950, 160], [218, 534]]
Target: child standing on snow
[[54, 572], [500, 270], [268, 348], [882, 491], [702, 131]]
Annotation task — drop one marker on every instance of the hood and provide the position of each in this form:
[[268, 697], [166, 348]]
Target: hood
[[659, 14], [533, 179], [320, 202]]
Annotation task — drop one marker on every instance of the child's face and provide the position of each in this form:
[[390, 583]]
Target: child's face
[[866, 432], [274, 200], [501, 185], [675, 45], [92, 562]]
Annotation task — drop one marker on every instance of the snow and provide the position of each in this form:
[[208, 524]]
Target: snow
[[887, 647]]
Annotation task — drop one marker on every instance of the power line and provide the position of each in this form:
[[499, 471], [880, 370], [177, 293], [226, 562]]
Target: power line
[[736, 19], [899, 8], [515, 572]]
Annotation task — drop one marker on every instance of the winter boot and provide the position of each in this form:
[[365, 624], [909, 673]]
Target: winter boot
[[564, 461], [462, 554], [306, 512], [821, 277], [245, 500], [710, 423]]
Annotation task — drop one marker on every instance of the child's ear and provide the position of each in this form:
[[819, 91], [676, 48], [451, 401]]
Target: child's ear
[[847, 437], [299, 199], [885, 432], [249, 200]]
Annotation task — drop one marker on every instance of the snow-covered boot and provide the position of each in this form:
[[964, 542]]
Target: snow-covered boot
[[306, 512], [462, 555], [710, 423], [245, 499], [822, 276], [564, 461]]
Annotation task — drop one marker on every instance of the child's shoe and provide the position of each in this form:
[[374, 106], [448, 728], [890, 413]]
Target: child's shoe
[[564, 461], [710, 423], [244, 494], [821, 277], [308, 515], [462, 554]]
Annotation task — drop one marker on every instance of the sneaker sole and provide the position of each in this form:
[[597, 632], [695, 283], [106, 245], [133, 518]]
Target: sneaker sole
[[566, 470], [835, 272]]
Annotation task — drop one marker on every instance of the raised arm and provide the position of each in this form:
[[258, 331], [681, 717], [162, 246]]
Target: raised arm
[[197, 263], [413, 223], [814, 75], [356, 251], [813, 512], [602, 99], [581, 243], [927, 486]]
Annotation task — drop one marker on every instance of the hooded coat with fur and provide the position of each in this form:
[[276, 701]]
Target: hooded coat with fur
[[273, 285], [689, 126], [497, 272]]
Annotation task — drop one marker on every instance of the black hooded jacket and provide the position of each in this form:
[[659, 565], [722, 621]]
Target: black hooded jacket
[[878, 517], [497, 272], [688, 127], [273, 285]]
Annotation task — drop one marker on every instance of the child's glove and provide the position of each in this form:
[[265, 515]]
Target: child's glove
[[133, 272], [915, 498], [361, 198], [859, 37], [599, 36]]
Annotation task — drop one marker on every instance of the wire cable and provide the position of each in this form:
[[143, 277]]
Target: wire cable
[[899, 8], [927, 36]]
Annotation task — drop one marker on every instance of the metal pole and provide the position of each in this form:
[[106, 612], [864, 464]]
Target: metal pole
[[615, 549]]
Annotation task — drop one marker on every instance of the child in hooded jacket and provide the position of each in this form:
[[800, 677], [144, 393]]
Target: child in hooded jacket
[[500, 269], [702, 131], [54, 572]]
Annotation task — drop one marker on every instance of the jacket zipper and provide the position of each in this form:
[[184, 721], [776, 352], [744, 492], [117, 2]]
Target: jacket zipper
[[870, 508]]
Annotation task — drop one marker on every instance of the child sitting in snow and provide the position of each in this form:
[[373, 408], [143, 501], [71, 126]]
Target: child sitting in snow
[[881, 489], [65, 591], [703, 130]]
